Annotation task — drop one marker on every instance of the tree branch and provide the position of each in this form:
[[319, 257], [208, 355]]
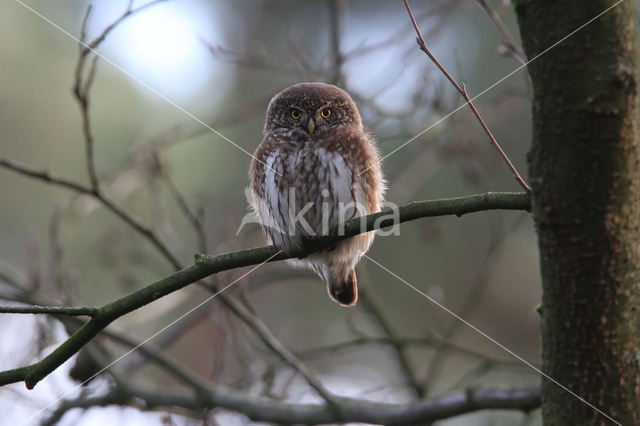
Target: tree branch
[[397, 343], [44, 176], [351, 410], [463, 91], [507, 40], [208, 265], [51, 310], [82, 86], [79, 188]]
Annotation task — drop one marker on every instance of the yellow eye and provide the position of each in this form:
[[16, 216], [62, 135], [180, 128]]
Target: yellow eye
[[295, 114], [326, 113]]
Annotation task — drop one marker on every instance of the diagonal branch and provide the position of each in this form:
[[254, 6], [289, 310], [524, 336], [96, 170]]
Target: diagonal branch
[[208, 265], [44, 176], [463, 91], [507, 40], [399, 345], [145, 231]]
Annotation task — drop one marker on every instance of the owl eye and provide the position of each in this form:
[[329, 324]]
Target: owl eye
[[325, 113], [295, 114]]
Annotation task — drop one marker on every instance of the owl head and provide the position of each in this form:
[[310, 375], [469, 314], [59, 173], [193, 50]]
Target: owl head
[[311, 110]]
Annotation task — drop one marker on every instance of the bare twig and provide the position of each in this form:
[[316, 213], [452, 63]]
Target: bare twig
[[151, 353], [44, 176], [398, 344], [82, 86], [401, 341], [259, 327], [192, 217], [507, 40], [81, 93], [126, 217], [351, 410], [441, 9], [463, 91], [336, 11], [469, 304], [50, 310], [130, 11]]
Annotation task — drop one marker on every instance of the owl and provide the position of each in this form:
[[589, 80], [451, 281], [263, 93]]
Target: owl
[[315, 169]]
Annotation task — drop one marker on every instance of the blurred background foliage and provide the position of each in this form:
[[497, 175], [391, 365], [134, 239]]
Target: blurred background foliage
[[222, 61]]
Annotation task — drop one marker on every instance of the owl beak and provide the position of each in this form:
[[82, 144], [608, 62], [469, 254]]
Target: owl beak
[[311, 125]]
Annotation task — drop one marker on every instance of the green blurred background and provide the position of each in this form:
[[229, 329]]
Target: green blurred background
[[221, 61]]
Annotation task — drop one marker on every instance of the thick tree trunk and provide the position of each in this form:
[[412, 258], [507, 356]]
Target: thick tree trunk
[[585, 172]]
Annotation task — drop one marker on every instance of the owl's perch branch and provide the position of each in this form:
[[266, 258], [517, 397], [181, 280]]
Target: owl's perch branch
[[208, 265], [461, 88], [353, 410]]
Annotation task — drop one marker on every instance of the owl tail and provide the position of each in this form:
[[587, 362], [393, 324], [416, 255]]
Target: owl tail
[[343, 289]]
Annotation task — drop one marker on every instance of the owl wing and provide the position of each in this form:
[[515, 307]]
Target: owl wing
[[266, 175], [337, 201], [351, 166]]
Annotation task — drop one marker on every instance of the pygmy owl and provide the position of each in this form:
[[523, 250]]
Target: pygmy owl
[[315, 169]]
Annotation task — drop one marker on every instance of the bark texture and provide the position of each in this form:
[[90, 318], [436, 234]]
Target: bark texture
[[585, 174]]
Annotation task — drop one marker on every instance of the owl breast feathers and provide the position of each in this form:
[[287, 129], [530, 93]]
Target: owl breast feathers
[[315, 169]]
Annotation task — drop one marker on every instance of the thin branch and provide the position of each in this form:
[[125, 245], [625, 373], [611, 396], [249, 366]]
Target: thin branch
[[191, 217], [401, 342], [265, 334], [126, 217], [69, 317], [149, 351], [398, 342], [507, 40], [351, 410], [463, 91], [127, 14], [208, 265], [81, 93], [51, 310], [44, 176], [399, 345], [336, 11], [442, 10], [470, 303], [81, 88]]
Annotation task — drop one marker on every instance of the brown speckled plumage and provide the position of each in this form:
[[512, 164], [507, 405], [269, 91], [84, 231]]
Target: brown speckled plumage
[[321, 169]]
